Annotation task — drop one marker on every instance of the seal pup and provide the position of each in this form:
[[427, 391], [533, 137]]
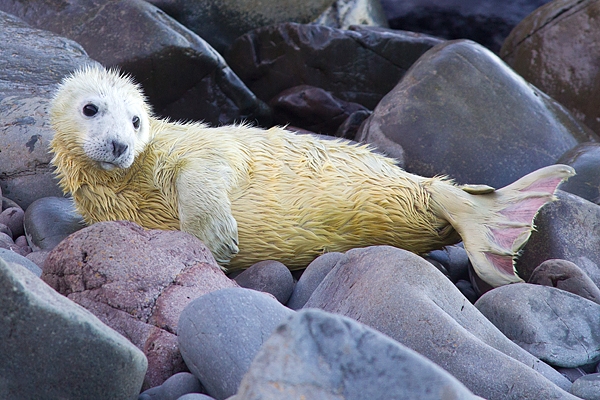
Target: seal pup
[[252, 194]]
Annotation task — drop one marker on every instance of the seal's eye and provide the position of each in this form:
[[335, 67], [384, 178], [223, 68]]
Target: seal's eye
[[89, 110], [136, 122]]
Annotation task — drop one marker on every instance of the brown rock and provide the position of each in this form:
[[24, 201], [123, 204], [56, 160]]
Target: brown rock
[[136, 281], [565, 275]]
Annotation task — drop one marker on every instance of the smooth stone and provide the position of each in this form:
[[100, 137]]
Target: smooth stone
[[173, 388], [38, 257], [454, 259], [467, 289], [137, 281], [33, 63], [565, 229], [554, 325], [459, 101], [318, 355], [13, 218], [487, 22], [6, 242], [220, 333], [553, 48], [358, 65], [142, 40], [268, 276], [54, 349], [587, 387], [49, 220], [195, 396], [565, 275], [585, 158], [6, 230], [11, 257], [351, 125], [344, 14], [311, 278], [408, 299]]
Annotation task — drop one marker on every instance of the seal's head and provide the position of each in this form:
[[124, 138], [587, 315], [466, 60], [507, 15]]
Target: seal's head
[[102, 116]]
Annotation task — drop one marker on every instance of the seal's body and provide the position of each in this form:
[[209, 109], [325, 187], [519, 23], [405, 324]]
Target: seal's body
[[252, 194]]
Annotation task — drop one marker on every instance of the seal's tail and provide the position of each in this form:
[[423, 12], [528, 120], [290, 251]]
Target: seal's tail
[[496, 224]]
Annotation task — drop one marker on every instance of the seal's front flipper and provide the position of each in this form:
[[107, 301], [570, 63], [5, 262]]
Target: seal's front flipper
[[495, 225]]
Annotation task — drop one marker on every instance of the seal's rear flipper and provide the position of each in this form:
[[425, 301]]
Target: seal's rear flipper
[[495, 225]]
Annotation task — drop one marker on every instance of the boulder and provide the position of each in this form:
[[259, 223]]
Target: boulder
[[585, 158], [565, 275]]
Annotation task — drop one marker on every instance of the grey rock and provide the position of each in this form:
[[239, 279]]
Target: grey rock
[[195, 396], [268, 276], [13, 218], [345, 13], [53, 348], [565, 229], [565, 275], [454, 259], [12, 257], [136, 281], [49, 220], [173, 388], [406, 298], [6, 242], [318, 355], [587, 387], [550, 48], [585, 158], [311, 278], [38, 257], [6, 230], [555, 326], [459, 101], [37, 62], [360, 65], [142, 40], [220, 333]]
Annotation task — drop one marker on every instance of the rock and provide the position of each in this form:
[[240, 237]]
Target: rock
[[197, 396], [585, 158], [38, 257], [345, 13], [13, 218], [467, 289], [311, 278], [14, 258], [565, 229], [37, 62], [350, 126], [454, 259], [312, 108], [552, 48], [317, 355], [555, 326], [173, 388], [460, 101], [565, 275], [145, 42], [6, 230], [487, 22], [359, 65], [220, 333], [6, 242], [268, 276], [136, 281], [49, 220], [53, 348], [406, 298], [587, 387]]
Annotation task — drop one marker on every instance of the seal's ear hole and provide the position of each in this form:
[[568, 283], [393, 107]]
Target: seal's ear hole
[[89, 110], [136, 122]]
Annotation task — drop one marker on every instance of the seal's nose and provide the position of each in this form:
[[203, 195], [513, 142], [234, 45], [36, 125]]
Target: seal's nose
[[118, 148]]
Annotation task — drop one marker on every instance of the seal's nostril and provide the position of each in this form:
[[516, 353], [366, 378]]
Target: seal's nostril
[[118, 148]]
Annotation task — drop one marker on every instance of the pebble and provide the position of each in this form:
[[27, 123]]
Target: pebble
[[12, 257], [173, 388], [13, 218], [565, 275], [268, 276], [311, 278], [587, 387]]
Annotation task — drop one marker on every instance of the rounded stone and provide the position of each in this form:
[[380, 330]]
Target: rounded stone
[[268, 276], [565, 275], [13, 218], [11, 257], [587, 387], [585, 158]]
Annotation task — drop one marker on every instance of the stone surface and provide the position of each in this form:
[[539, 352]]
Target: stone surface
[[268, 276], [460, 101], [220, 333], [565, 275], [585, 158], [317, 355], [359, 65], [53, 348], [37, 62], [554, 48], [136, 281], [49, 220], [566, 229], [587, 387], [11, 257], [454, 259], [144, 41], [555, 326], [487, 22], [424, 311], [13, 218], [311, 278], [173, 388], [345, 13]]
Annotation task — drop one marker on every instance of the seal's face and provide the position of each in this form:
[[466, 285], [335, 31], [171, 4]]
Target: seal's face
[[101, 116]]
